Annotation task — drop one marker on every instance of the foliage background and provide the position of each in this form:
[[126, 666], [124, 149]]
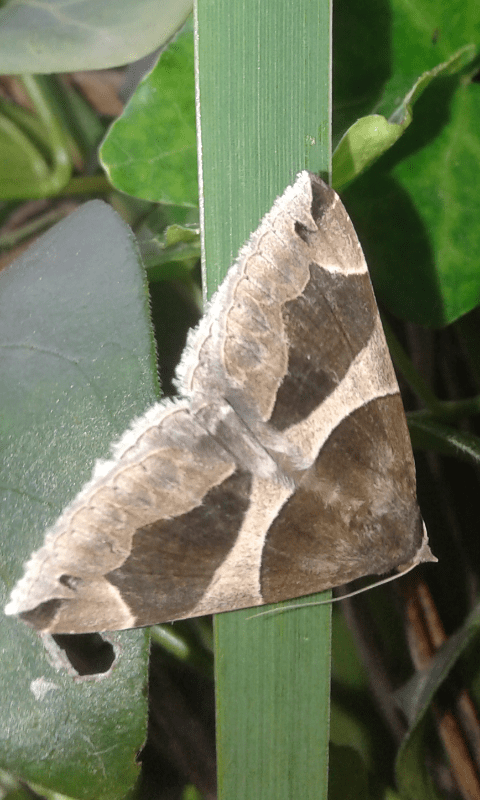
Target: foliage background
[[405, 123]]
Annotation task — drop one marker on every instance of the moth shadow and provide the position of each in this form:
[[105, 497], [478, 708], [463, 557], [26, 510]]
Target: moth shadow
[[391, 214], [398, 248]]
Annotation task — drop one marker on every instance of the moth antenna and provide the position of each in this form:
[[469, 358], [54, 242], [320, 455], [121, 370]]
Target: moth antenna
[[336, 599]]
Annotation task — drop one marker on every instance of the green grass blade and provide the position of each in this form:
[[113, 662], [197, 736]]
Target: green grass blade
[[263, 81]]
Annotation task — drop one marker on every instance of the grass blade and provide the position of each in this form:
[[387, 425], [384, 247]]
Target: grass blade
[[263, 82]]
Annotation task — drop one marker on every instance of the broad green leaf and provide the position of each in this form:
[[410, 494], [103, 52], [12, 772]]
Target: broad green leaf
[[436, 168], [419, 199], [61, 36], [381, 49], [415, 209], [422, 35], [369, 137], [77, 364], [151, 150]]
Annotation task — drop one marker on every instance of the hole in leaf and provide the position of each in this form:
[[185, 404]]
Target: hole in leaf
[[88, 653]]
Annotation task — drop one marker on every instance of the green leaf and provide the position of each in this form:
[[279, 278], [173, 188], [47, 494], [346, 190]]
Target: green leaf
[[13, 789], [77, 364], [151, 150], [429, 433], [414, 37], [364, 142], [415, 209], [60, 36], [348, 777], [420, 36], [35, 160], [352, 717], [415, 698], [263, 88], [173, 255], [22, 164], [435, 167], [369, 137], [423, 255]]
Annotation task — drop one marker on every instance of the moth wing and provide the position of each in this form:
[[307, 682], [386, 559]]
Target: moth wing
[[354, 512], [280, 327], [141, 542]]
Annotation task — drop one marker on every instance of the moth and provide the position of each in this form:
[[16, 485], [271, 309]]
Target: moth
[[283, 468]]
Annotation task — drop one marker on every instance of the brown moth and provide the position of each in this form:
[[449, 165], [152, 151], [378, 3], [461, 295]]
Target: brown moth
[[284, 468]]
